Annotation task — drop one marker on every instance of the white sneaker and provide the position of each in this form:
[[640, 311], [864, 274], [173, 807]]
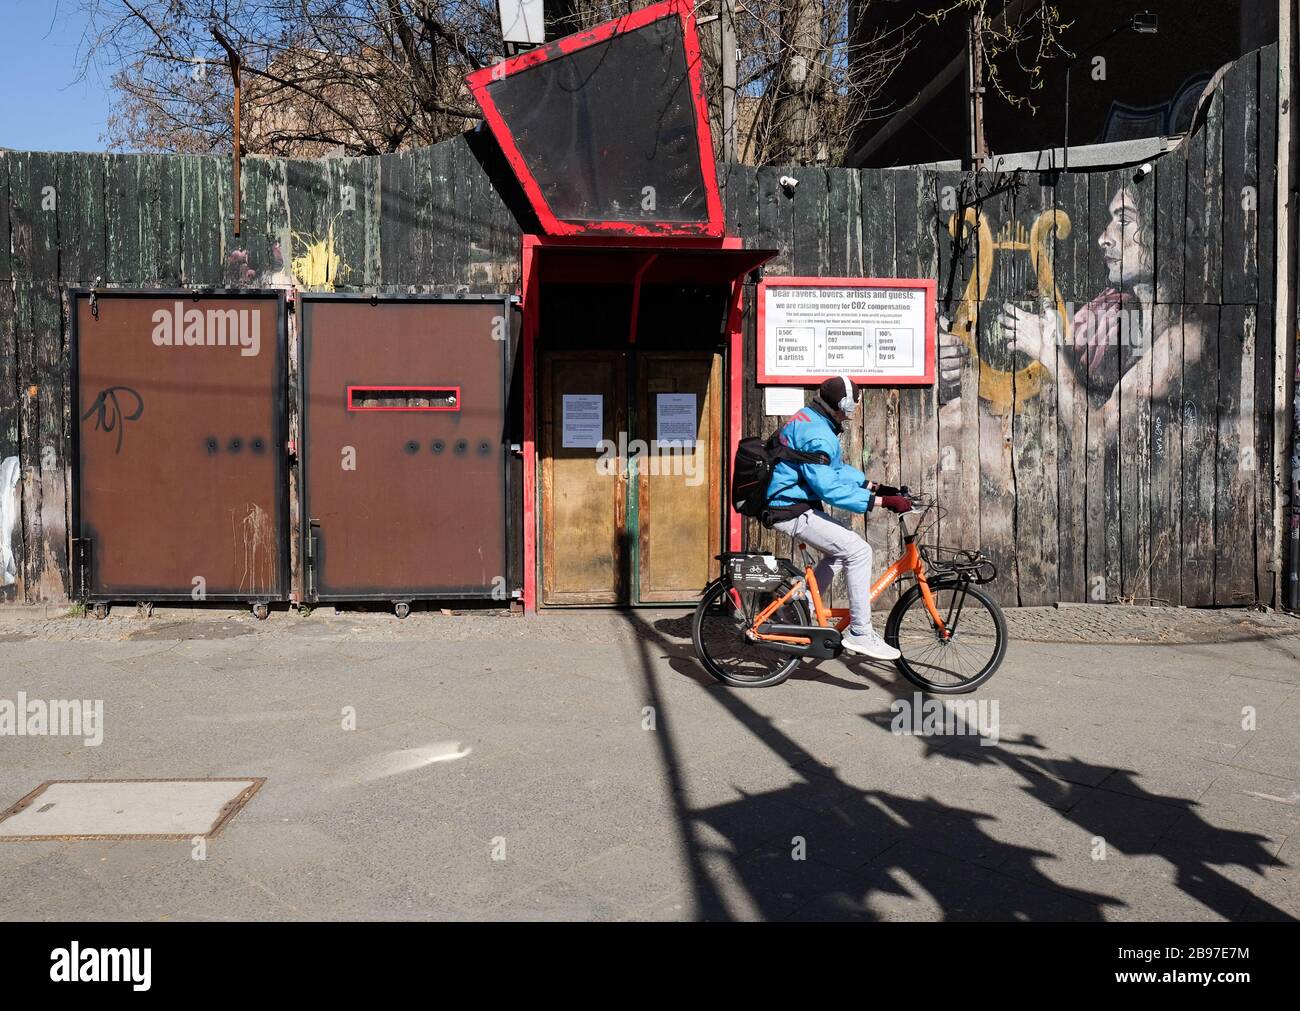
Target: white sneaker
[[869, 645]]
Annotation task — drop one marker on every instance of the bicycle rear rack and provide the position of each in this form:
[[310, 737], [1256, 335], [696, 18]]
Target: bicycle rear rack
[[971, 566]]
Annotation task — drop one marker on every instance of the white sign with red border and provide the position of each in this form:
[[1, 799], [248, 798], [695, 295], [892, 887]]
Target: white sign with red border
[[879, 331]]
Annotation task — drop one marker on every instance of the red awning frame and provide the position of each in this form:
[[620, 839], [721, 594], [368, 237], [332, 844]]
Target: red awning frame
[[480, 81]]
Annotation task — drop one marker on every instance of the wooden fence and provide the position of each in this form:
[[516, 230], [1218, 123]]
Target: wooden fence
[[1138, 470]]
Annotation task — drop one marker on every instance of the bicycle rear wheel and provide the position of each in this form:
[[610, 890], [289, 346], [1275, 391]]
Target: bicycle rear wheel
[[719, 635], [967, 657]]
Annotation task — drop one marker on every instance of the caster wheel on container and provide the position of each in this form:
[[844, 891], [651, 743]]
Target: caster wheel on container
[[401, 608], [101, 612], [260, 611]]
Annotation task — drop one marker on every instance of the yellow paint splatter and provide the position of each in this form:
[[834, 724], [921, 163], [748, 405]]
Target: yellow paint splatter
[[319, 268]]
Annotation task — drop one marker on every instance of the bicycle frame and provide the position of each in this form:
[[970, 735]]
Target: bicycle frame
[[910, 563]]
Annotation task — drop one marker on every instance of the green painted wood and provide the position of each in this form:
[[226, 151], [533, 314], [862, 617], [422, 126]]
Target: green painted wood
[[6, 267], [34, 233], [83, 254]]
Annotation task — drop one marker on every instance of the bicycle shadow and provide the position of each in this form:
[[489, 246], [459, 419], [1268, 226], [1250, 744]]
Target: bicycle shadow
[[821, 848]]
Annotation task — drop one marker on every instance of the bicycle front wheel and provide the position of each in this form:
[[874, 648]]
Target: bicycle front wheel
[[964, 659], [718, 630]]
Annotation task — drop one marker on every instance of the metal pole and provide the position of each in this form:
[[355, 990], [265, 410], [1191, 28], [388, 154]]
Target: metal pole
[[978, 148], [234, 59], [1065, 151]]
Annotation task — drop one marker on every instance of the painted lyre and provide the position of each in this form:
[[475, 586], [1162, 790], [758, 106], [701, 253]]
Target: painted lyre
[[1003, 389]]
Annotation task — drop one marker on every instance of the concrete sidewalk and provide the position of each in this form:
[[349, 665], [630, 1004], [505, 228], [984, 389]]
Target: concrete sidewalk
[[582, 765]]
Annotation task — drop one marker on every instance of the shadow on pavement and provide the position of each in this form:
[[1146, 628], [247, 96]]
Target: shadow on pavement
[[871, 845]]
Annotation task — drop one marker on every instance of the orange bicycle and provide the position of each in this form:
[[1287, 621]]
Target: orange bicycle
[[752, 626]]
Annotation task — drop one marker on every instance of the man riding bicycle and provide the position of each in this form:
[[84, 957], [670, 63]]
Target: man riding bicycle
[[798, 491]]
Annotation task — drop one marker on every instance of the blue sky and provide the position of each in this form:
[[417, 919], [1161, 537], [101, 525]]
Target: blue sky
[[43, 107]]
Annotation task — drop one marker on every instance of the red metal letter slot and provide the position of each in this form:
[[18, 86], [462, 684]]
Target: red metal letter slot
[[403, 398]]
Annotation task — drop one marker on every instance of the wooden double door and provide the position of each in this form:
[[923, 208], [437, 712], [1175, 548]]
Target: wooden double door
[[631, 476]]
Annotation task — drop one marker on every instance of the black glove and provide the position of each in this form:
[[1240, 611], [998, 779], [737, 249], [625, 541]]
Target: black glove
[[887, 489]]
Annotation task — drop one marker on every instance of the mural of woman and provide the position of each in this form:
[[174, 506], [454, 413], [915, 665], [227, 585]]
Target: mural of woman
[[1116, 330]]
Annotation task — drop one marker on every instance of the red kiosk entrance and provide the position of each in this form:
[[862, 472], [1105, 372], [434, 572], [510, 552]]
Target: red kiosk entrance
[[631, 346]]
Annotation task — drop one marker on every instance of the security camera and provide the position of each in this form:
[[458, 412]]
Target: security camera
[[788, 183], [1142, 172]]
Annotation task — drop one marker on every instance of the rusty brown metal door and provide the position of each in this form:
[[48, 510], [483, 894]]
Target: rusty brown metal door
[[180, 446], [404, 447]]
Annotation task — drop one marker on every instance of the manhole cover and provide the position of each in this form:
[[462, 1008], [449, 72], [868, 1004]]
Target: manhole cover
[[126, 809]]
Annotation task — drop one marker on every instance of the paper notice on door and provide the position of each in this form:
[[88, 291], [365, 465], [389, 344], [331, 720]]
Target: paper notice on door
[[584, 421], [782, 401], [676, 417]]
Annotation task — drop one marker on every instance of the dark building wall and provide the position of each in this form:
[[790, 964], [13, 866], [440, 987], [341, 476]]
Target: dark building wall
[[1143, 86]]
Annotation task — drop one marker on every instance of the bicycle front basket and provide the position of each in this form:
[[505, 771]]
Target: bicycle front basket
[[755, 572]]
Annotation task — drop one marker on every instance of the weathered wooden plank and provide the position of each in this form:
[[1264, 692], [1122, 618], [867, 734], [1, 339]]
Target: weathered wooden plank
[[957, 402], [878, 455], [1241, 180], [774, 229], [1194, 220], [478, 268], [1034, 426], [82, 251], [6, 266], [1070, 249], [1200, 440], [1164, 368], [811, 225], [844, 223], [741, 207], [349, 195], [1163, 371], [261, 256], [879, 237], [316, 209], [1267, 564], [397, 234], [1006, 279], [52, 583], [1134, 391], [201, 224], [1237, 466], [31, 575], [33, 200], [10, 460], [123, 209], [1170, 183], [918, 256], [1207, 286], [443, 218], [170, 185], [1266, 159]]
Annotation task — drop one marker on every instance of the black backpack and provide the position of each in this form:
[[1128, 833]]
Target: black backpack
[[751, 472]]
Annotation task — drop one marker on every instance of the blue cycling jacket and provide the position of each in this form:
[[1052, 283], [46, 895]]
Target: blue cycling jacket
[[835, 484]]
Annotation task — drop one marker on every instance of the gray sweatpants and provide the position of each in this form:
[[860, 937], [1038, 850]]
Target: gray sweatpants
[[841, 548]]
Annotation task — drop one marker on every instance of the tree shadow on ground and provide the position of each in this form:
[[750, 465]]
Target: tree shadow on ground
[[821, 848]]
